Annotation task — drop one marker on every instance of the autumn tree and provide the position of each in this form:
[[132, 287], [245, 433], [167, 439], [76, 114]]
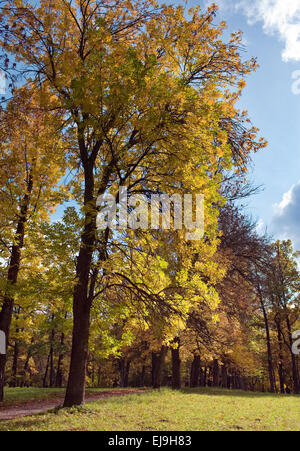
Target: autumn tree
[[149, 99], [30, 168]]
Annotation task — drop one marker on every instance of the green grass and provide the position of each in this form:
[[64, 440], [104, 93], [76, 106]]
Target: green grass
[[167, 410]]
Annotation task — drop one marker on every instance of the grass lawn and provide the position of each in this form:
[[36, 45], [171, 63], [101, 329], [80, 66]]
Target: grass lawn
[[167, 410]]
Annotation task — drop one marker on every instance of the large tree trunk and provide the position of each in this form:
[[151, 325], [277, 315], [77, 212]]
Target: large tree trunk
[[12, 277], [158, 359], [84, 288], [176, 381], [75, 393]]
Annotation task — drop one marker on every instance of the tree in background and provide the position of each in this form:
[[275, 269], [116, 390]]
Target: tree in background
[[30, 168]]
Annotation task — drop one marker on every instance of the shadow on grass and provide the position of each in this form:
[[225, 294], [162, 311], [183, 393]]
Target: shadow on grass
[[26, 423], [233, 393]]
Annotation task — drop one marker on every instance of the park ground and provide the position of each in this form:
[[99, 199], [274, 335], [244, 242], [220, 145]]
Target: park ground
[[164, 410]]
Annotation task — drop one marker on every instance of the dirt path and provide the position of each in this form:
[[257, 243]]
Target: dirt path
[[34, 407]]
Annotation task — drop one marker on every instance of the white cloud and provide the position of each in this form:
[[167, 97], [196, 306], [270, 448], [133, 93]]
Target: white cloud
[[260, 226], [279, 17], [286, 219]]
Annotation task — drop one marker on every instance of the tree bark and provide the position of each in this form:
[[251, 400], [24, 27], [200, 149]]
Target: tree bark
[[84, 290], [75, 393]]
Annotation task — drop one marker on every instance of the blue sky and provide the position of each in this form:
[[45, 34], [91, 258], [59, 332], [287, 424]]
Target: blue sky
[[272, 97], [272, 34]]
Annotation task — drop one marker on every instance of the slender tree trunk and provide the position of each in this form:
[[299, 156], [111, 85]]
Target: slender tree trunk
[[224, 376], [59, 374], [127, 369], [52, 374], [26, 365], [143, 374], [216, 373], [99, 376], [205, 376], [280, 355], [15, 365], [269, 349], [93, 372], [46, 372], [122, 372], [12, 277], [176, 381], [195, 372]]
